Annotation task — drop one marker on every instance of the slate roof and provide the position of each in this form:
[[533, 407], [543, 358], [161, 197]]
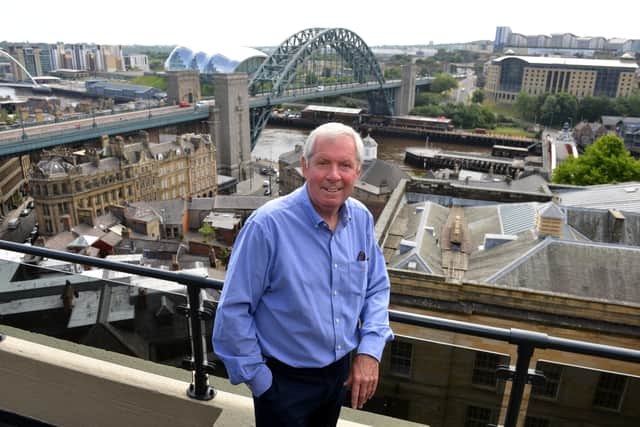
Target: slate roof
[[624, 197], [570, 265]]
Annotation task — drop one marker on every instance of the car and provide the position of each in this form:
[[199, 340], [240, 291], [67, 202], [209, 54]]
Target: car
[[30, 204], [183, 104], [320, 88], [24, 212], [13, 223], [267, 191]]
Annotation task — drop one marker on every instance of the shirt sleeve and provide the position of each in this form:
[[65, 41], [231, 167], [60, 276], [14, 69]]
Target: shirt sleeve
[[234, 332], [375, 330]]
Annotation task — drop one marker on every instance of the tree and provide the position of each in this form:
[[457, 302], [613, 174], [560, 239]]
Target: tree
[[591, 108], [392, 73], [526, 105], [478, 96], [558, 109], [428, 98], [604, 162], [207, 231], [443, 82]]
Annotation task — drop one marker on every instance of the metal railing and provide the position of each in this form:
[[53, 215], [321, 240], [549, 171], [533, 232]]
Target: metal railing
[[526, 341]]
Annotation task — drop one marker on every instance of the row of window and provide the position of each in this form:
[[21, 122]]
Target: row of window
[[608, 394]]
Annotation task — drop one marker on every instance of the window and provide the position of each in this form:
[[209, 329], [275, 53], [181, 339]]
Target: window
[[477, 416], [484, 369], [552, 374], [609, 391], [536, 422], [401, 358]]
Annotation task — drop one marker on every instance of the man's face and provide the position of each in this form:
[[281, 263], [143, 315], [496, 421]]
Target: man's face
[[331, 173]]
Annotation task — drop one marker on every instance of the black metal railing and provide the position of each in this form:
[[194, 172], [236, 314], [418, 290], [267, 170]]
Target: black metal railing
[[526, 341]]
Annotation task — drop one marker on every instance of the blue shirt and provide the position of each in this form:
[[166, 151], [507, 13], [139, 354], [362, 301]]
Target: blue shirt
[[299, 293]]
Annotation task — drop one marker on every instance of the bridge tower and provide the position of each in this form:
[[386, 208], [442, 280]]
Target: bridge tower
[[406, 96], [231, 128], [183, 86]]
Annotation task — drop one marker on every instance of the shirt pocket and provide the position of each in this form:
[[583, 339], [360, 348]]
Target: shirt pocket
[[357, 282]]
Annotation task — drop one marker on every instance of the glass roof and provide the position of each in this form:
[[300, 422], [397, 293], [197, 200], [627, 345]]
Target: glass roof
[[225, 60]]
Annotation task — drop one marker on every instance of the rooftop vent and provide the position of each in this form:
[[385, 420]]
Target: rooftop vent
[[406, 246]]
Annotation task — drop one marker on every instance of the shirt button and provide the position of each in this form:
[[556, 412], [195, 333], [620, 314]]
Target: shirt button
[[337, 320], [339, 347], [335, 293], [335, 265]]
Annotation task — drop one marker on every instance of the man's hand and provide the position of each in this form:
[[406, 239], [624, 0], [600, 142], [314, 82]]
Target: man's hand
[[363, 379]]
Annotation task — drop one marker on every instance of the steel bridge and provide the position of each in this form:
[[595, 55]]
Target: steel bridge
[[310, 64]]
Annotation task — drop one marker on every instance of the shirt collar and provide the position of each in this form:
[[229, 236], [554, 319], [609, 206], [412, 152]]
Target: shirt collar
[[344, 213]]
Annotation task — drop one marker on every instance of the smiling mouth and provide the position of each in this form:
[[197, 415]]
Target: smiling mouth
[[332, 190]]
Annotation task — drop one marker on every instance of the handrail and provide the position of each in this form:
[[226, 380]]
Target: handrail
[[526, 341]]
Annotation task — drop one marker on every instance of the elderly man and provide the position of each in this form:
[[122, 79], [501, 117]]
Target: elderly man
[[306, 286]]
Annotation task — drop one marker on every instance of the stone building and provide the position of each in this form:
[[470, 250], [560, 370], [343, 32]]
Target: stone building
[[12, 182], [516, 265], [72, 188]]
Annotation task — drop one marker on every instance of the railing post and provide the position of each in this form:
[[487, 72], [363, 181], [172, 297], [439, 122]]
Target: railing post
[[199, 388], [521, 376]]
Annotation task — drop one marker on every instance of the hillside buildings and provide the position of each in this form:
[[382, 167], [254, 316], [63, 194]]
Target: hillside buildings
[[566, 44]]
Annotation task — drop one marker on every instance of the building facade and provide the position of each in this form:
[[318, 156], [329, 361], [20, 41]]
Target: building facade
[[534, 276], [69, 189], [12, 182], [507, 76]]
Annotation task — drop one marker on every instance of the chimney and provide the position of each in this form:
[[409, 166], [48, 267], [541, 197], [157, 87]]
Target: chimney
[[550, 221], [617, 229]]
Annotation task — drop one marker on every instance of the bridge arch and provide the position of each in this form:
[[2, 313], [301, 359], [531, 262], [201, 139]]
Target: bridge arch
[[279, 69], [15, 61]]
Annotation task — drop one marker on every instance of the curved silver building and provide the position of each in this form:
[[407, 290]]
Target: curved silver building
[[227, 60]]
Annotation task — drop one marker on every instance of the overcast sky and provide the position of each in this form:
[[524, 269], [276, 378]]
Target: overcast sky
[[210, 23]]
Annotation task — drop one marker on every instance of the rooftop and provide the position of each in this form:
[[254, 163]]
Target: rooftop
[[572, 62]]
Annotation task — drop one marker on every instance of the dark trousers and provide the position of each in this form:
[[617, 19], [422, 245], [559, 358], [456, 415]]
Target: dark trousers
[[302, 397]]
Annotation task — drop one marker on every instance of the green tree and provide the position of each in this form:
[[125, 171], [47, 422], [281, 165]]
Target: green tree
[[591, 108], [207, 231], [392, 73], [558, 109], [428, 98], [526, 105], [604, 162], [443, 82], [628, 105], [478, 96]]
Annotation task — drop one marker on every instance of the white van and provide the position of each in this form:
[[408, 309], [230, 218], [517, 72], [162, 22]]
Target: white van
[[13, 223]]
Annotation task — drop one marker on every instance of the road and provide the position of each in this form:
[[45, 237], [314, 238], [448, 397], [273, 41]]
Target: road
[[16, 133], [465, 90]]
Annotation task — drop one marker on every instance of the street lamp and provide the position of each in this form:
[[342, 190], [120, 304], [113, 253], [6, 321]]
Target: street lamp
[[24, 135]]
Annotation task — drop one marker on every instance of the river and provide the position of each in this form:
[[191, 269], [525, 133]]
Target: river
[[275, 141]]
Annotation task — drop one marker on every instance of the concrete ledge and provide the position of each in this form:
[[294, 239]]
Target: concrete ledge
[[64, 388], [64, 383]]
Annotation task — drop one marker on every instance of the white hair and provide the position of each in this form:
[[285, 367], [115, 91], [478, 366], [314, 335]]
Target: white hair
[[332, 130]]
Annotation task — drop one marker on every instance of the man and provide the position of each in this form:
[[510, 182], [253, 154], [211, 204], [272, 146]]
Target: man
[[306, 285]]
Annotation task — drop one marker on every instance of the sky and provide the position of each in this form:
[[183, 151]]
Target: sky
[[207, 24]]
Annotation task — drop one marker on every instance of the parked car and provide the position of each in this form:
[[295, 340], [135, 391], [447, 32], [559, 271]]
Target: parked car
[[183, 104], [30, 204], [24, 212], [13, 223]]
